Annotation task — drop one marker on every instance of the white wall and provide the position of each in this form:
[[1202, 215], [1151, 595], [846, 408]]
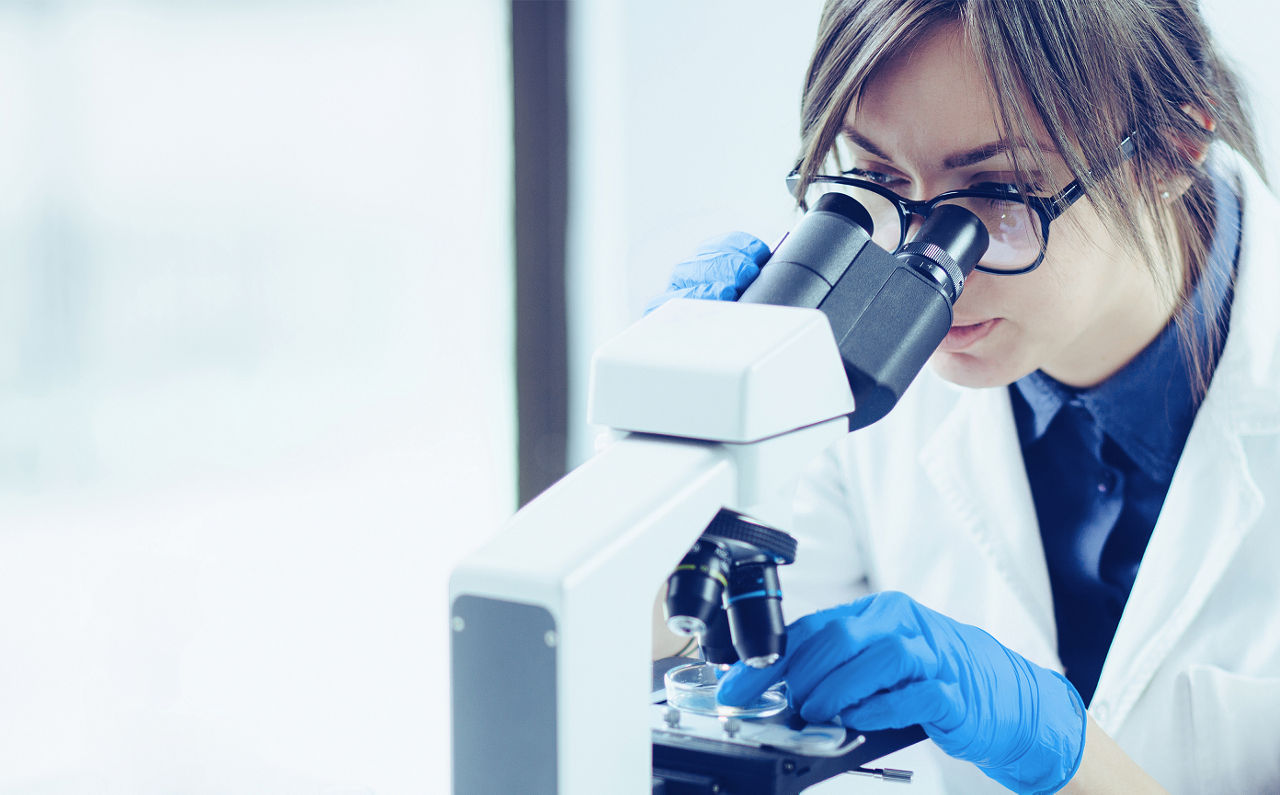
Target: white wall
[[1247, 31], [685, 121], [255, 386]]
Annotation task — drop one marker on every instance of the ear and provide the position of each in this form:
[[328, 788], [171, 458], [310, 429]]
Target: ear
[[1194, 149]]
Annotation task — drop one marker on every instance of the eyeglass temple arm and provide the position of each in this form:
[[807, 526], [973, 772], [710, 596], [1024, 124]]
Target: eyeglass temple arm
[[1073, 192]]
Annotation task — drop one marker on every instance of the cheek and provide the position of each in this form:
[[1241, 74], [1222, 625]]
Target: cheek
[[1037, 313], [1043, 313], [1021, 300]]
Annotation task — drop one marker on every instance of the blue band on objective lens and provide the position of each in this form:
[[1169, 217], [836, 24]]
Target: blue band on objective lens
[[755, 595]]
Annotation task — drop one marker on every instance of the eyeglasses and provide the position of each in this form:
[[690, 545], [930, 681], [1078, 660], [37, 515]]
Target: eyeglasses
[[1017, 223]]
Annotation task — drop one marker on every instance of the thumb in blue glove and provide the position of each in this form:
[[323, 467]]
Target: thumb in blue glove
[[720, 270], [886, 661]]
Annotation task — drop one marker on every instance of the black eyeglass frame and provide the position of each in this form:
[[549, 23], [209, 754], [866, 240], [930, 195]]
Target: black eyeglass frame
[[1047, 208]]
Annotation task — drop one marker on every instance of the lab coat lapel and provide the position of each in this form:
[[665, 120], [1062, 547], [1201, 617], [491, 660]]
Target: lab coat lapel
[[974, 461], [1195, 538], [1213, 502]]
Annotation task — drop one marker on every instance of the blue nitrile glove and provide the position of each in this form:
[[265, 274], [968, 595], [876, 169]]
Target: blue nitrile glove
[[886, 661], [720, 270]]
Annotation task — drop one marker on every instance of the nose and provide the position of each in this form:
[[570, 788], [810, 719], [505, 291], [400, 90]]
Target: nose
[[914, 222]]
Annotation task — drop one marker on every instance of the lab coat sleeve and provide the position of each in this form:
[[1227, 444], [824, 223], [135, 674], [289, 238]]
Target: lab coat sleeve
[[830, 562]]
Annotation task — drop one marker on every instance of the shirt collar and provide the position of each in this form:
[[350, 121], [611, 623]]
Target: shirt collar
[[1152, 433]]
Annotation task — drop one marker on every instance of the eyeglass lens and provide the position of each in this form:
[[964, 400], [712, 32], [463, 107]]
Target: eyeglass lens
[[1013, 227]]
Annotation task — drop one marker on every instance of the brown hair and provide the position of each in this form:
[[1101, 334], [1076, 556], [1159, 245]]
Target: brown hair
[[1094, 71]]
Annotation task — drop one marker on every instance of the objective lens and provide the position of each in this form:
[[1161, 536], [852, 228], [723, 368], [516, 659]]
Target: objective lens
[[686, 625], [696, 587], [755, 613], [717, 642]]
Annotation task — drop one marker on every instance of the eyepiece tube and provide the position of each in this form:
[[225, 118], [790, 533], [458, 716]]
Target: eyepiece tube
[[951, 240], [847, 206], [814, 255]]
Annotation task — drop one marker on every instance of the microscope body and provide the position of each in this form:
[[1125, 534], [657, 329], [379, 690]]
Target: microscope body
[[723, 405]]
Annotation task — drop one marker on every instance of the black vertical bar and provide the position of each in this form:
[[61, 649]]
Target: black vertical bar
[[540, 91]]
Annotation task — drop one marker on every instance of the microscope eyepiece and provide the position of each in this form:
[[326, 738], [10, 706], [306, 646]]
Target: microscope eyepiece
[[847, 206], [889, 311], [947, 247]]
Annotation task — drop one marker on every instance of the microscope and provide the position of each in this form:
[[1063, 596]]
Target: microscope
[[720, 407]]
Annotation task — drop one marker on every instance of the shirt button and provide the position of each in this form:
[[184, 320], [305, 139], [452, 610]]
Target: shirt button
[[1100, 712]]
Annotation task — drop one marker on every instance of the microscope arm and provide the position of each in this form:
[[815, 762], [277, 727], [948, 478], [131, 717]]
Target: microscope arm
[[551, 617]]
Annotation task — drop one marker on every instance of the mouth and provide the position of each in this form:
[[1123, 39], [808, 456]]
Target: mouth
[[962, 336]]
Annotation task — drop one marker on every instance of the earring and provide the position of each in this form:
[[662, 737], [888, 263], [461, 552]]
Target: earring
[[1165, 195]]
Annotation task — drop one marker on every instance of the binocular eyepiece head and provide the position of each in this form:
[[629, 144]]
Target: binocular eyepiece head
[[725, 591]]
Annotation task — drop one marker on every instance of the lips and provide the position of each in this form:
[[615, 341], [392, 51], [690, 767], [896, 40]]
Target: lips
[[962, 336]]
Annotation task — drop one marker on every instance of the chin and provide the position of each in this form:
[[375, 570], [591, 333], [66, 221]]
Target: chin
[[977, 372]]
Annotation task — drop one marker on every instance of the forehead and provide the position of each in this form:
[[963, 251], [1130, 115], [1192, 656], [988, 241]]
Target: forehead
[[930, 99]]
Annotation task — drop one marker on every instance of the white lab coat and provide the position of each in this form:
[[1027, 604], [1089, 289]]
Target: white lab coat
[[934, 501]]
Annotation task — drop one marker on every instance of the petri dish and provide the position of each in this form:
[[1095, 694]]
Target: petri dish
[[692, 688]]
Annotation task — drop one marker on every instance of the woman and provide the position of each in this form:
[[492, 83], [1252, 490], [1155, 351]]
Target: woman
[[1100, 492]]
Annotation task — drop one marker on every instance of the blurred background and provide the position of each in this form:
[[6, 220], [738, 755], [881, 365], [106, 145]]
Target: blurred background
[[296, 304]]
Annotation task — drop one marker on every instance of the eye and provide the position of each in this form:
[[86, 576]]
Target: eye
[[999, 187], [878, 177], [1031, 183]]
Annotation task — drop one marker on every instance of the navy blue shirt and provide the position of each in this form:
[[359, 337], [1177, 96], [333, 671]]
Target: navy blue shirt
[[1100, 460]]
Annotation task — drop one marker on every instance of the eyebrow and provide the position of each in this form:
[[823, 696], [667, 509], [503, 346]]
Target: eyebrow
[[959, 160]]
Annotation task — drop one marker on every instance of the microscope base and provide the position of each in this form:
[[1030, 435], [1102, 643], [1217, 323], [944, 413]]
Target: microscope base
[[695, 766]]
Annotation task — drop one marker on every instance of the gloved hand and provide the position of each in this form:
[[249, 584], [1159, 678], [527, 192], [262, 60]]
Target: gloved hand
[[720, 270], [886, 661]]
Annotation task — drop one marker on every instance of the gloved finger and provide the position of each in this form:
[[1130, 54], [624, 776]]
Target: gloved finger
[[715, 292], [805, 627], [837, 643], [844, 633], [888, 663], [935, 705], [710, 291], [749, 245], [720, 267], [743, 684], [891, 611]]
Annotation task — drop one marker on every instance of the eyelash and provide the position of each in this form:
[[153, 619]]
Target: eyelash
[[878, 177], [888, 181], [1003, 187]]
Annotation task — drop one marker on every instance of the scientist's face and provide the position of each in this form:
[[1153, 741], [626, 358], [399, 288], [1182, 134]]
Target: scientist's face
[[1090, 306]]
